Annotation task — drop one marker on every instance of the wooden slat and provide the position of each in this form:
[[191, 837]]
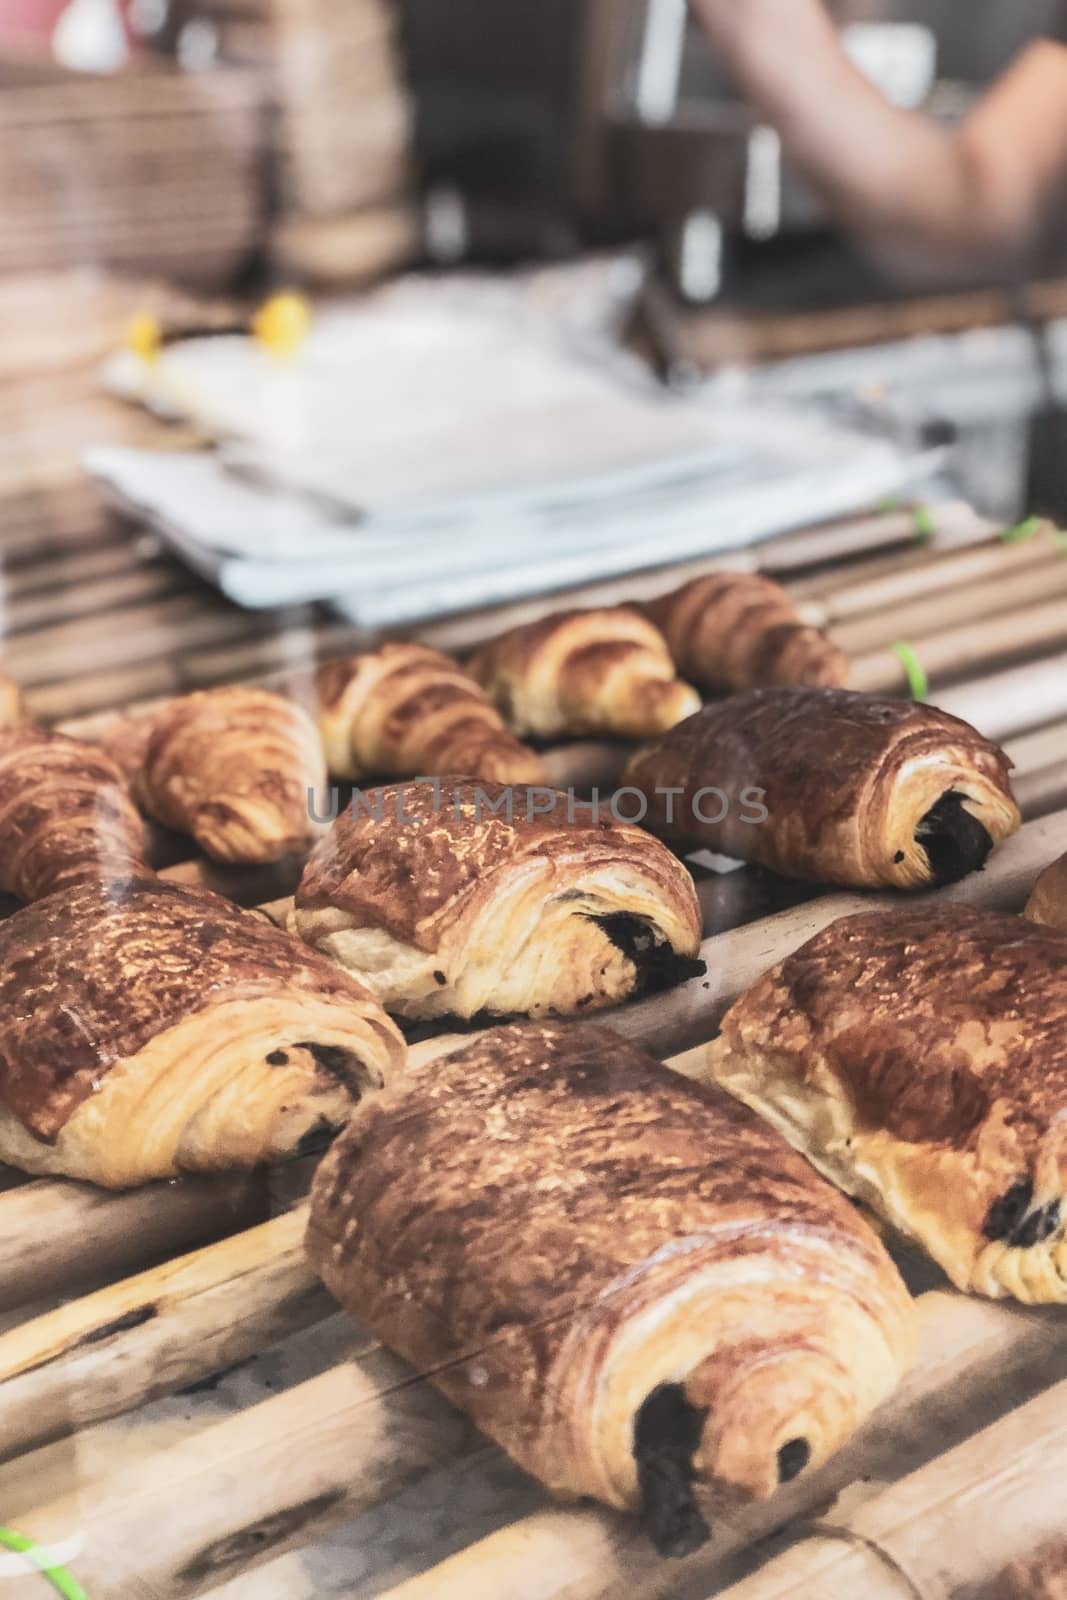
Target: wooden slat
[[240, 1493], [156, 1333], [55, 1234], [953, 1524], [966, 650], [1014, 701], [976, 1360], [941, 610]]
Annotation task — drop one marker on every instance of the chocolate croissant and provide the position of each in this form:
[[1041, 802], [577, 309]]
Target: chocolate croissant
[[407, 711], [831, 786], [237, 769], [10, 703], [65, 814], [149, 1030], [606, 672], [1048, 902], [627, 1280], [740, 630], [919, 1058], [462, 897]]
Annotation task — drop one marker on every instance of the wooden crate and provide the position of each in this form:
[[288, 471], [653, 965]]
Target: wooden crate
[[960, 1473], [150, 170]]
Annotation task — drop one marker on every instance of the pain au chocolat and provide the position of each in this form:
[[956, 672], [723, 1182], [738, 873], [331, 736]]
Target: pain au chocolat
[[627, 1280], [65, 815], [1048, 902], [740, 630], [237, 769], [149, 1030], [604, 672], [406, 711], [831, 786], [919, 1058], [459, 897]]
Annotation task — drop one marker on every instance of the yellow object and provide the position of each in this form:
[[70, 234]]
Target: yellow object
[[144, 336], [281, 324]]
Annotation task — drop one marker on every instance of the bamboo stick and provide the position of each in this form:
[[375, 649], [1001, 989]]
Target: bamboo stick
[[952, 521], [107, 595], [975, 1359], [952, 1524], [974, 647], [1042, 748], [244, 1491], [1014, 701], [55, 1234], [156, 1333], [1042, 792], [945, 609], [183, 623], [841, 596]]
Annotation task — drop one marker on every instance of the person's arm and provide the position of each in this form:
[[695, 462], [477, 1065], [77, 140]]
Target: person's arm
[[897, 177]]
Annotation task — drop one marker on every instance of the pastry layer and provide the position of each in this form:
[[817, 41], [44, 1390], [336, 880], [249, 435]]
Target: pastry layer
[[831, 786], [407, 711], [65, 814], [627, 1280], [458, 898], [142, 1026], [606, 672], [919, 1059]]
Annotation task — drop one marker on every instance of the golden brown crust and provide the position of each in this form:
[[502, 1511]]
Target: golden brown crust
[[407, 711], [831, 786], [740, 630], [89, 978], [10, 703], [233, 767], [555, 1228], [65, 814], [602, 672], [1048, 902], [509, 895], [919, 1058]]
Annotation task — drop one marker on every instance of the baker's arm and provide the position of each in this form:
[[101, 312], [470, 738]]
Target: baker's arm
[[896, 177]]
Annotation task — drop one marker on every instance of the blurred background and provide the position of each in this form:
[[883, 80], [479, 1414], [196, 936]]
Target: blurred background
[[227, 145], [587, 164]]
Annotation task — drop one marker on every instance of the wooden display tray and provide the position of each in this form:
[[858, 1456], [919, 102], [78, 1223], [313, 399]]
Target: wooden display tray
[[960, 1473]]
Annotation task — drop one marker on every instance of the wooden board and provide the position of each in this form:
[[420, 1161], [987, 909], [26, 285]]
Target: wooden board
[[193, 1277]]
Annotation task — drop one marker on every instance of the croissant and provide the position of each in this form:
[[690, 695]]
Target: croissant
[[149, 1029], [10, 703], [919, 1058], [831, 786], [65, 814], [740, 630], [625, 1279], [1048, 902], [606, 672], [475, 897], [407, 711], [235, 768]]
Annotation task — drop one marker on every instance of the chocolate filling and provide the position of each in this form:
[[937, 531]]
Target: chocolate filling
[[1038, 1227], [955, 842], [658, 966], [792, 1459], [667, 1432], [1007, 1213], [1010, 1218], [340, 1064]]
